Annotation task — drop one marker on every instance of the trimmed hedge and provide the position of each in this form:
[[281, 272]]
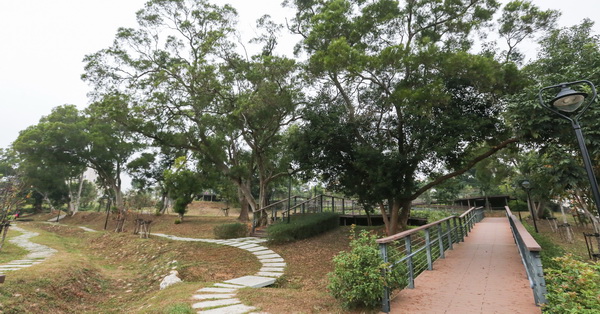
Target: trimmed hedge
[[230, 231], [302, 227]]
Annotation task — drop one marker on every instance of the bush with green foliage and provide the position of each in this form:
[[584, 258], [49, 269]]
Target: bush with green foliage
[[573, 287], [302, 227], [358, 279], [431, 215], [231, 231]]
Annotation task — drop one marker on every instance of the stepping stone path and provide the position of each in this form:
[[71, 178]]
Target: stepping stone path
[[37, 252], [220, 298]]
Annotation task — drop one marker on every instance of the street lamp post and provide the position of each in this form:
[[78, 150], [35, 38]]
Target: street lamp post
[[527, 187], [290, 172], [569, 101]]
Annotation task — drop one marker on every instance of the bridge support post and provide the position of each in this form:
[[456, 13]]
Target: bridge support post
[[385, 300], [441, 241], [409, 262], [449, 233], [428, 249]]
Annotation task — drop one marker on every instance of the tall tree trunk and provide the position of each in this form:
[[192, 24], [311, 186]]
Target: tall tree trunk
[[49, 202], [404, 207], [77, 201]]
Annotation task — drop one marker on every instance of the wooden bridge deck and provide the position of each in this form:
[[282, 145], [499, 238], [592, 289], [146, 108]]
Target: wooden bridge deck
[[484, 274]]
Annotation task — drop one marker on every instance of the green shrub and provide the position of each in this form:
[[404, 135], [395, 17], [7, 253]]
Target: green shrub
[[357, 279], [302, 227], [177, 221], [574, 287], [431, 215], [231, 231]]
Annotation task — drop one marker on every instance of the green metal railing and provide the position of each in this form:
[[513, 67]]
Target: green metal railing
[[529, 250], [418, 248]]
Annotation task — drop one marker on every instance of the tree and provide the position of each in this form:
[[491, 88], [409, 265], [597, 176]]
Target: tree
[[177, 80], [46, 156], [183, 185], [148, 171], [521, 20], [399, 95], [75, 140], [566, 54], [13, 191]]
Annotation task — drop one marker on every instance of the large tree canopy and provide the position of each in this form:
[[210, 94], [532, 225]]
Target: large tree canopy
[[178, 80], [399, 95]]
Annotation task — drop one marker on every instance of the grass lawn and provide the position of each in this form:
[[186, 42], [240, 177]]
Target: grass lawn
[[10, 251]]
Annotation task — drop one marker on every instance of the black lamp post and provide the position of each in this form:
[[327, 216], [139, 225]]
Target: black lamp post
[[569, 101], [290, 170], [526, 185]]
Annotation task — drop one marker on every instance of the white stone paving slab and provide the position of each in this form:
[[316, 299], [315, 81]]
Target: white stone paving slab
[[207, 304], [274, 264], [269, 274], [16, 265], [227, 285], [273, 269], [272, 260], [249, 246], [252, 281], [217, 290], [213, 296], [268, 256], [233, 309], [264, 252], [257, 249]]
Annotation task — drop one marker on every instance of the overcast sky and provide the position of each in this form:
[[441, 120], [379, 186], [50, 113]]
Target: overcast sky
[[42, 44]]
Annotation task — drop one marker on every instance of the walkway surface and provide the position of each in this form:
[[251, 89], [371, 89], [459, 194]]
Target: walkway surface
[[37, 252], [484, 274]]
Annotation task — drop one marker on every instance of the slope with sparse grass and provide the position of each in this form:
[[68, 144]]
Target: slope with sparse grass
[[106, 272]]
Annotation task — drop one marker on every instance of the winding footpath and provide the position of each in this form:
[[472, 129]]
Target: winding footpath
[[220, 298], [37, 252]]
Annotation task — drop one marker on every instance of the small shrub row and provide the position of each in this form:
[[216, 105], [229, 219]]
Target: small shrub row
[[230, 231], [302, 227]]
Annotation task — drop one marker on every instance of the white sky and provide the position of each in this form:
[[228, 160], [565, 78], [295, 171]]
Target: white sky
[[42, 45]]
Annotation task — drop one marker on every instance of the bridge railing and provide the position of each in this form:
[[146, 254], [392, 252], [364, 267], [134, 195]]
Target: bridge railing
[[529, 250], [279, 210], [418, 248]]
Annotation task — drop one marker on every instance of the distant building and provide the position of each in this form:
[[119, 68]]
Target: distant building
[[495, 201]]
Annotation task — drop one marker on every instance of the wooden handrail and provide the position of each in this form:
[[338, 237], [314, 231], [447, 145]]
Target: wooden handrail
[[468, 212], [403, 234], [270, 205], [528, 239]]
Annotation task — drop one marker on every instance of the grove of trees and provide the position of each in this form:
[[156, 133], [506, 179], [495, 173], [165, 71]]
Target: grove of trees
[[384, 101]]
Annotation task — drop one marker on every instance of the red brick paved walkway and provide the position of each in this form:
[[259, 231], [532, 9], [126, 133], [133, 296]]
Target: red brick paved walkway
[[484, 274]]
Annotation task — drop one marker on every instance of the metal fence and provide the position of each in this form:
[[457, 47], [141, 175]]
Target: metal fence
[[418, 248], [529, 250]]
